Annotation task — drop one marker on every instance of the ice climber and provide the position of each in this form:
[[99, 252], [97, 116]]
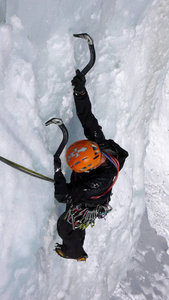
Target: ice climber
[[95, 163]]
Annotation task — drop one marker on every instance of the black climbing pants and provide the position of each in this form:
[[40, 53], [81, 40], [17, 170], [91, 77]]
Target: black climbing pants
[[72, 239]]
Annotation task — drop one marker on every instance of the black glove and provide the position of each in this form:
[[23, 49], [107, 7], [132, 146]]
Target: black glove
[[79, 83], [57, 163]]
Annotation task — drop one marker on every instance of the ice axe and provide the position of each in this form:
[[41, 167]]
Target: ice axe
[[63, 128], [90, 42]]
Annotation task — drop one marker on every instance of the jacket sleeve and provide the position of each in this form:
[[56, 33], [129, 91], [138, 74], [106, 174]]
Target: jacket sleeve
[[61, 188], [92, 129], [122, 154]]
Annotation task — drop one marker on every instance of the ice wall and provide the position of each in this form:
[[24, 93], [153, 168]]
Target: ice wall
[[128, 89]]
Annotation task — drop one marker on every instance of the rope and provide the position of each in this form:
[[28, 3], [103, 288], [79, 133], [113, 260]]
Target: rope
[[25, 170]]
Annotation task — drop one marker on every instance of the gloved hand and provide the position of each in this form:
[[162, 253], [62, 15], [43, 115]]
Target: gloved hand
[[79, 83], [57, 163]]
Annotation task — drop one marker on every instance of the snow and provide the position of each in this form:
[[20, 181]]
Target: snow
[[128, 87]]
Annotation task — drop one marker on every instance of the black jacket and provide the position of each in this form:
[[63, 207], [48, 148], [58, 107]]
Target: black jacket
[[83, 186]]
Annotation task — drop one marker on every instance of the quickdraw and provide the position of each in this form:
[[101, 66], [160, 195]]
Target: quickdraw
[[81, 217]]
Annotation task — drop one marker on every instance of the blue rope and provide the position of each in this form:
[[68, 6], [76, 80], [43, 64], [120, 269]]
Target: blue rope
[[109, 158]]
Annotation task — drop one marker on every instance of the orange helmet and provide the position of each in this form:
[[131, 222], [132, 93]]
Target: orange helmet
[[83, 155]]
